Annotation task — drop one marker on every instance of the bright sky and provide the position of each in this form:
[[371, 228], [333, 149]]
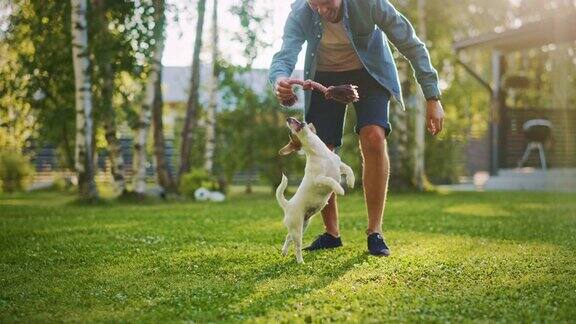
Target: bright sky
[[180, 35]]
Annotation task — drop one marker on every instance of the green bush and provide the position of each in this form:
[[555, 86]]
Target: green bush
[[193, 180], [15, 171], [61, 183]]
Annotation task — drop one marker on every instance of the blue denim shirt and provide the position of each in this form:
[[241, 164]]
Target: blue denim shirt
[[364, 21]]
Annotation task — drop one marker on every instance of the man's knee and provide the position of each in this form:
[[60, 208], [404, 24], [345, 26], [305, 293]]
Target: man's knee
[[373, 139]]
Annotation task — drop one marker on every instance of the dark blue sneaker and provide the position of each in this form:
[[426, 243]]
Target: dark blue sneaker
[[324, 241], [377, 246]]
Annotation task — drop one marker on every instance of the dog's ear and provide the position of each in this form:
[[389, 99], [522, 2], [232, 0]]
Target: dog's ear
[[287, 149], [312, 128], [292, 146]]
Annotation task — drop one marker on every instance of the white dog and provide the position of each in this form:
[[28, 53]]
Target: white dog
[[322, 176]]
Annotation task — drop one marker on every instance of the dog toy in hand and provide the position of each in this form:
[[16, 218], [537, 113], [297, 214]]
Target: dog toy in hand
[[346, 93]]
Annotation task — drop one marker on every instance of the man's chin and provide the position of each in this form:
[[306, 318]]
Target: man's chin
[[331, 19], [334, 19]]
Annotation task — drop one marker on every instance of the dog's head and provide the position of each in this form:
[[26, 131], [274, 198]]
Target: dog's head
[[302, 135]]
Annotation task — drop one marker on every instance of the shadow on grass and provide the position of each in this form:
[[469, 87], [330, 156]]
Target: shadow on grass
[[242, 287], [276, 299]]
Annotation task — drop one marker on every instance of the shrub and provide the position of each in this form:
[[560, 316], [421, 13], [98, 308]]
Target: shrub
[[15, 171], [193, 180], [62, 183]]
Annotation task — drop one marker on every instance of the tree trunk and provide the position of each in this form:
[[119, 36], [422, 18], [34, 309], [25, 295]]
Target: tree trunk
[[110, 128], [401, 158], [155, 103], [165, 179], [192, 104], [211, 111], [141, 140], [420, 116], [84, 123], [106, 103]]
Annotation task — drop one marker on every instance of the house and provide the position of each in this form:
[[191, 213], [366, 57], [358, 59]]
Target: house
[[499, 151]]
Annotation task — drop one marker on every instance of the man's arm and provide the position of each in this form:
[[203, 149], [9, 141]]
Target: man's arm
[[284, 61], [401, 33]]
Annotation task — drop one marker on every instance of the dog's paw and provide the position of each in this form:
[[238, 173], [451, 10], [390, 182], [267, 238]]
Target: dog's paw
[[284, 252], [339, 190], [350, 182], [300, 260]]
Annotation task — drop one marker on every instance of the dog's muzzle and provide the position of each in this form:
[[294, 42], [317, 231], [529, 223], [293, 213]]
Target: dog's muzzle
[[294, 124]]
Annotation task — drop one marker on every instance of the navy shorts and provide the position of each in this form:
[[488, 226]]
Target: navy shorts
[[328, 115]]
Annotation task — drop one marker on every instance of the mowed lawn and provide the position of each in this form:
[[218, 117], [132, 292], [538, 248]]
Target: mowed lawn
[[455, 257]]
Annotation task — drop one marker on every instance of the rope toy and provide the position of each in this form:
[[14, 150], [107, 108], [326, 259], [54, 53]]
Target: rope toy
[[345, 94]]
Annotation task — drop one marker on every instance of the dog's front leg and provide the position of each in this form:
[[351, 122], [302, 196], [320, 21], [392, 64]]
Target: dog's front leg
[[347, 171], [329, 182]]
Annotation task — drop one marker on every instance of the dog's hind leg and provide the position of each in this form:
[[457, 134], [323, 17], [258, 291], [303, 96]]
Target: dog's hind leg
[[296, 234], [286, 244], [305, 225]]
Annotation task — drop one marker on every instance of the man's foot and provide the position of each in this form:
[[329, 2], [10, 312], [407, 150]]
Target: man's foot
[[377, 246], [324, 241]]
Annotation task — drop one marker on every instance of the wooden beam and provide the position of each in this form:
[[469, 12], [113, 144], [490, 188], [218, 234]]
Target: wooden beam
[[475, 75]]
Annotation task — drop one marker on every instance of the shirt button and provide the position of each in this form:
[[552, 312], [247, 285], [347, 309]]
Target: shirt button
[[319, 36], [312, 54]]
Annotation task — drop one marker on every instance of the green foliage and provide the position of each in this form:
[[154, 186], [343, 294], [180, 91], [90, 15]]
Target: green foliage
[[193, 180], [252, 25], [15, 171], [456, 257], [37, 79], [62, 183], [250, 135]]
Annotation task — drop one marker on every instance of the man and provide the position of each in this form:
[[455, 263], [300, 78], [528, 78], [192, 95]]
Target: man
[[346, 46]]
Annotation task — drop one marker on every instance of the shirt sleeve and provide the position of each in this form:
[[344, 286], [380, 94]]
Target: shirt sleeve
[[284, 61], [402, 35]]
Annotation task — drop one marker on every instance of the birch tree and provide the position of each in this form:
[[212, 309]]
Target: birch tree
[[83, 97], [420, 116], [211, 111], [152, 108], [111, 130], [105, 48]]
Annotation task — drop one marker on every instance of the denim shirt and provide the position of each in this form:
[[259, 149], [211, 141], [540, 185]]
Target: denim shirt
[[364, 21]]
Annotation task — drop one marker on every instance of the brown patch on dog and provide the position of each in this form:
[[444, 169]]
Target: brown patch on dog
[[293, 146]]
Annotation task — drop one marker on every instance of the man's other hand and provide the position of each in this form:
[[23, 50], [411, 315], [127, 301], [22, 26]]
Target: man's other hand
[[434, 116]]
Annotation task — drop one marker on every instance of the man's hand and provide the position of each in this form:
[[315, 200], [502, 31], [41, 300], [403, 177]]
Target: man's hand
[[283, 91], [434, 116]]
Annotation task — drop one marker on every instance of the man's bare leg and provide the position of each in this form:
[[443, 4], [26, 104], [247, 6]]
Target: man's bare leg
[[375, 173], [330, 213]]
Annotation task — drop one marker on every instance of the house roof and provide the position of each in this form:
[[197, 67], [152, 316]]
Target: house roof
[[556, 28]]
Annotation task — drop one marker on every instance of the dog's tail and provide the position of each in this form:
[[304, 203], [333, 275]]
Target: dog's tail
[[280, 193]]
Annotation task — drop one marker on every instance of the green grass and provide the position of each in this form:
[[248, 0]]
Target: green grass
[[456, 257]]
